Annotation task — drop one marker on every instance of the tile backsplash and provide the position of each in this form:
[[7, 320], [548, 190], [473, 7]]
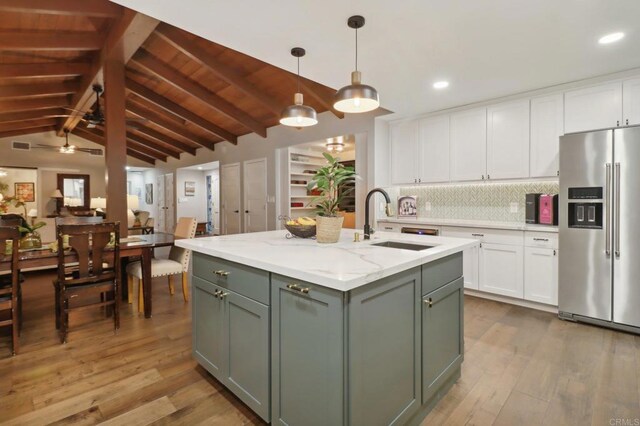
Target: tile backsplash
[[486, 201]]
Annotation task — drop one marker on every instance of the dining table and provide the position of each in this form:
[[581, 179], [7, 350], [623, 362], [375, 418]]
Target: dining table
[[141, 246]]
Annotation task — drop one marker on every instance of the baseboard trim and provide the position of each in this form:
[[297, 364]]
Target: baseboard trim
[[512, 301]]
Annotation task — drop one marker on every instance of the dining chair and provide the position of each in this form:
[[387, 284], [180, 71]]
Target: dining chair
[[13, 220], [177, 263], [78, 220], [10, 295], [95, 272]]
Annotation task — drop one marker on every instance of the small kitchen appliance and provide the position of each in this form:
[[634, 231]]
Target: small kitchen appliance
[[532, 208], [548, 209]]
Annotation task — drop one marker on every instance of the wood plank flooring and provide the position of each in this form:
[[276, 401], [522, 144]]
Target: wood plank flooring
[[522, 367]]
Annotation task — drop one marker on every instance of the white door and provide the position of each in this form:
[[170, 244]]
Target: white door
[[255, 195], [433, 149], [631, 102], [502, 269], [508, 140], [403, 146], [470, 258], [596, 107], [541, 275], [215, 195], [469, 145], [547, 115], [230, 198], [160, 220], [165, 203]]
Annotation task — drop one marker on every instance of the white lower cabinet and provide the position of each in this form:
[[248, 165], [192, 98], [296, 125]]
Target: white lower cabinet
[[541, 275], [502, 269], [470, 268]]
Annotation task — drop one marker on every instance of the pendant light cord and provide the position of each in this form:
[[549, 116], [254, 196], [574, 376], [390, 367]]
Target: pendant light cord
[[356, 48], [298, 74]]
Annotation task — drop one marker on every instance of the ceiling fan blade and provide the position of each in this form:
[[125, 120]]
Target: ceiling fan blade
[[57, 116], [74, 110]]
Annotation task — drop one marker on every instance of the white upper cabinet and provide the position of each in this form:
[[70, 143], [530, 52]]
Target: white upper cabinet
[[508, 140], [546, 129], [403, 138], [631, 101], [433, 149], [469, 145], [591, 108]]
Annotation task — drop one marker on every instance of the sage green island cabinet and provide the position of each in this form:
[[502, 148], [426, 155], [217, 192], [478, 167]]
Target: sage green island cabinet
[[307, 352]]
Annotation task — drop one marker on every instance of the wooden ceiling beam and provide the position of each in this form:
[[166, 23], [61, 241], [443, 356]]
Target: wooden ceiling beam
[[156, 67], [7, 117], [175, 109], [15, 105], [29, 124], [39, 41], [142, 140], [95, 138], [92, 8], [51, 69], [133, 29], [324, 100], [169, 125], [38, 90], [180, 41], [29, 131], [132, 144], [165, 139]]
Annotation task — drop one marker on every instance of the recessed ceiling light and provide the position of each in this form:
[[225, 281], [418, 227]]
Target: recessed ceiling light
[[440, 84], [199, 167], [611, 38], [127, 168]]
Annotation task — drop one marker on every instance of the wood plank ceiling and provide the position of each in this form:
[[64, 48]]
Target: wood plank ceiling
[[183, 92]]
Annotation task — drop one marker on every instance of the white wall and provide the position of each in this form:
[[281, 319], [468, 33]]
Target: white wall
[[195, 206], [20, 175]]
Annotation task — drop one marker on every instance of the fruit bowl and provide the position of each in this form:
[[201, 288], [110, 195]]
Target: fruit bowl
[[298, 230]]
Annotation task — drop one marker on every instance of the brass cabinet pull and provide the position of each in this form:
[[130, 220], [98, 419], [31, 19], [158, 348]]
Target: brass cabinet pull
[[223, 295], [296, 287], [428, 302], [221, 273]]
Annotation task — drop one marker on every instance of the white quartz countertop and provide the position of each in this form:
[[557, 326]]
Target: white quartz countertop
[[342, 266], [487, 224]]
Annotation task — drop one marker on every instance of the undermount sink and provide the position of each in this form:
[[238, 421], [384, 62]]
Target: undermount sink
[[403, 246]]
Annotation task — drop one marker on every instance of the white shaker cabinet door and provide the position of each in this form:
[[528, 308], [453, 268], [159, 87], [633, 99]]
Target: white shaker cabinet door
[[591, 108], [502, 269], [470, 258], [508, 140], [541, 275], [547, 126], [631, 102], [403, 138], [433, 149], [469, 145]]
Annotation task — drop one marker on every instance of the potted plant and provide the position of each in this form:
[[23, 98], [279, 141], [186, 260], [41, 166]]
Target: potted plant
[[31, 237], [333, 182]]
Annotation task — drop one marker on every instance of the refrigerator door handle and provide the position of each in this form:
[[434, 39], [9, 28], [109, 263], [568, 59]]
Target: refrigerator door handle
[[607, 204], [617, 212]]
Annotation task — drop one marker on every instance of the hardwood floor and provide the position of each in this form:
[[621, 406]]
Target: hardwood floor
[[521, 367]]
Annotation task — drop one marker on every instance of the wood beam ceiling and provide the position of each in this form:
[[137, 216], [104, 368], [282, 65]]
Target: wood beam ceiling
[[15, 105], [39, 41], [173, 108], [29, 124], [131, 145], [149, 143], [91, 8], [29, 131], [132, 29], [324, 100], [53, 69], [93, 137], [180, 41], [164, 139], [158, 68], [7, 117], [38, 90]]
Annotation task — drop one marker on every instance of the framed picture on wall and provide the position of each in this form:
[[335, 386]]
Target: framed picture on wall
[[25, 191], [148, 193], [189, 188]]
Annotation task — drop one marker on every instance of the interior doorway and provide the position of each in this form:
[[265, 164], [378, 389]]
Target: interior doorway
[[198, 192], [255, 195], [166, 203], [230, 198]]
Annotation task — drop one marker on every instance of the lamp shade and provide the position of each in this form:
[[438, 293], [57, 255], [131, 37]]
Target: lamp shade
[[356, 97], [32, 213], [298, 114], [132, 202], [98, 203], [56, 194]]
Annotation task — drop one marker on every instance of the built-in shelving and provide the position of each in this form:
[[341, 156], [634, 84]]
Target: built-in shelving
[[300, 164]]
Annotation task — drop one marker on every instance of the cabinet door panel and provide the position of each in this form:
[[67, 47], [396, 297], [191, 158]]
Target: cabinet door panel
[[468, 140], [541, 275], [247, 376], [433, 147], [442, 336], [501, 269], [508, 140], [384, 350], [546, 128], [403, 138], [208, 318], [631, 102], [307, 355], [591, 108], [470, 267]]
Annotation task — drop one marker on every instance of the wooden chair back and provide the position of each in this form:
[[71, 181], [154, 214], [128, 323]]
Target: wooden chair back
[[11, 233], [78, 220], [90, 242], [12, 219], [185, 228]]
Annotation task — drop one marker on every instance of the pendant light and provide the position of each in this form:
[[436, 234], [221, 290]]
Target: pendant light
[[356, 97], [298, 114]]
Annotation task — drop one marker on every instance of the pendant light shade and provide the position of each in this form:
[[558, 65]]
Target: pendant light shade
[[298, 114], [356, 97]]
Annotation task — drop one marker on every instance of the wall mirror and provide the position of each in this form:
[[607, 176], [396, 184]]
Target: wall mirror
[[75, 190]]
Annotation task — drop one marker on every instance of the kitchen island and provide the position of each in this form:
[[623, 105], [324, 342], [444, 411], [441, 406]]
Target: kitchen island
[[330, 334]]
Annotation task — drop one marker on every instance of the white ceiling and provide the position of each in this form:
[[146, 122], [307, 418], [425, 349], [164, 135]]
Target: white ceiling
[[486, 49]]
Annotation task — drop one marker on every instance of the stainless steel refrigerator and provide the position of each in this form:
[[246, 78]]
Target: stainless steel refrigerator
[[599, 251]]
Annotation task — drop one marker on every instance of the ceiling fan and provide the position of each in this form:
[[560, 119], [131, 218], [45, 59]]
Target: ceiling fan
[[69, 149], [96, 117]]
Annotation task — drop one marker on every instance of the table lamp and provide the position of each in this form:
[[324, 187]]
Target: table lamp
[[33, 213]]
